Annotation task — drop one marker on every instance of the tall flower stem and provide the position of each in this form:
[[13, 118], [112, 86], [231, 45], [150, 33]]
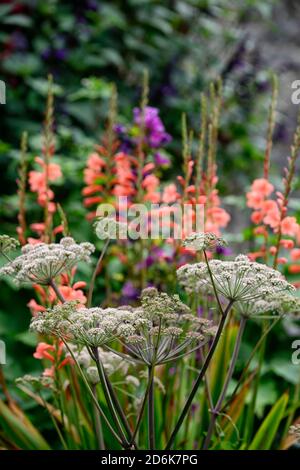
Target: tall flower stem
[[94, 275], [94, 399], [216, 410], [107, 395], [119, 410], [213, 283], [141, 413], [151, 419], [149, 389], [6, 257], [249, 361], [98, 424], [59, 295], [200, 376], [252, 406]]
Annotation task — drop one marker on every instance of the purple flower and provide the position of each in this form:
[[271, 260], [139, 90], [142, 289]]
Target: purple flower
[[129, 291], [92, 5], [155, 130], [223, 250], [161, 160], [126, 143], [120, 129], [19, 41], [200, 311], [61, 54]]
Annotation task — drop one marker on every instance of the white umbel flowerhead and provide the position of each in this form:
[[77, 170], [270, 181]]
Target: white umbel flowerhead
[[240, 280], [112, 362], [199, 241], [91, 327], [165, 329], [280, 304], [7, 244], [43, 262], [295, 431]]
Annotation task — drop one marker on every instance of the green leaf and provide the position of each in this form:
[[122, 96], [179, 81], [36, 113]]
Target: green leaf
[[266, 434], [20, 429], [286, 370], [28, 338]]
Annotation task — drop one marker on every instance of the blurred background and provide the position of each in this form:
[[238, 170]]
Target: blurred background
[[185, 44]]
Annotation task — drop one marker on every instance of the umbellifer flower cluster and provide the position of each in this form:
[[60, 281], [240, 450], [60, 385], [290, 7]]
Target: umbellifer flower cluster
[[279, 304], [165, 329], [162, 329], [240, 280], [199, 241], [36, 382], [91, 327], [295, 431], [7, 244], [112, 362], [43, 262]]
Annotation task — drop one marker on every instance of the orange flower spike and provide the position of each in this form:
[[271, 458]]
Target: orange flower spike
[[41, 351]]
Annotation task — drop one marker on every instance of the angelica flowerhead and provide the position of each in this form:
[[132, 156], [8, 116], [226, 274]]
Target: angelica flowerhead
[[165, 329], [279, 304], [43, 262], [240, 280], [112, 363], [200, 241], [295, 431], [92, 327]]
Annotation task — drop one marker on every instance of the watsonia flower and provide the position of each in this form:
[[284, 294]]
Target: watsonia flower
[[240, 280], [43, 262]]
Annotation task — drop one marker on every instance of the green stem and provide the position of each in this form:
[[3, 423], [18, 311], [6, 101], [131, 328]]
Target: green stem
[[200, 376], [94, 275], [151, 420], [59, 295], [6, 256], [93, 396], [213, 283], [252, 405], [246, 368], [119, 409], [150, 378], [216, 410], [107, 395], [98, 424]]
